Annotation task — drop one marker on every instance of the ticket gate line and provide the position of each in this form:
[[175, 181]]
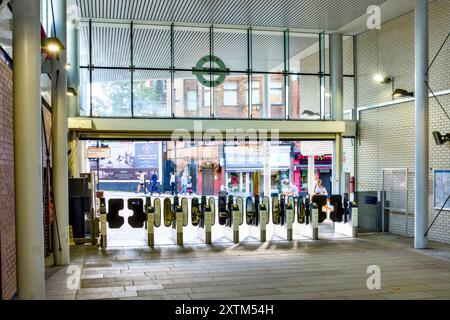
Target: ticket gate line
[[230, 215]]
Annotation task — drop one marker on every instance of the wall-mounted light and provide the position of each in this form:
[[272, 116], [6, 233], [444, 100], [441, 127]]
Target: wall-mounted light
[[380, 78], [68, 66], [71, 92], [327, 94], [399, 93], [53, 45], [440, 139]]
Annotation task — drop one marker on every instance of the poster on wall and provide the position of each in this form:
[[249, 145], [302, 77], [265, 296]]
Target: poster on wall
[[127, 159], [441, 188]]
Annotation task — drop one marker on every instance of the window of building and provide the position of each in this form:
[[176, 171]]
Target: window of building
[[191, 100], [230, 94], [276, 92], [256, 92], [206, 97]]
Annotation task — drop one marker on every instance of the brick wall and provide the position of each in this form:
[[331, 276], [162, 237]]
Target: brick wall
[[387, 133], [7, 212]]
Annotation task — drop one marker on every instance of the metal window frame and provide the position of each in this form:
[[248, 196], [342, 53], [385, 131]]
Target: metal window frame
[[249, 72]]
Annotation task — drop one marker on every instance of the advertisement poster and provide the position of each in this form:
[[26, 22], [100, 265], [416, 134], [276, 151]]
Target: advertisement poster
[[127, 159]]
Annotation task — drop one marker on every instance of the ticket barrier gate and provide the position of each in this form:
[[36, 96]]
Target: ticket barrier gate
[[203, 216], [153, 218], [283, 216], [257, 216], [307, 219], [176, 216], [231, 216], [111, 219]]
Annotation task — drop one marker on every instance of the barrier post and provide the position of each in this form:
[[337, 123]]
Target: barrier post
[[103, 226], [151, 228], [263, 222], [179, 217], [236, 218], [354, 208], [315, 221], [208, 223], [289, 220]]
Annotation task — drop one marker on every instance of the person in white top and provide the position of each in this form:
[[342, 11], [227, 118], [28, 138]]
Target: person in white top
[[141, 177], [173, 184], [319, 189]]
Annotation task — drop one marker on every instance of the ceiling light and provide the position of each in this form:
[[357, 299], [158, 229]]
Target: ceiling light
[[71, 92], [402, 93], [52, 45]]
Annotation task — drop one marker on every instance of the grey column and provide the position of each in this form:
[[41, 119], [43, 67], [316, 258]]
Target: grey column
[[59, 141], [337, 104], [421, 115], [27, 149]]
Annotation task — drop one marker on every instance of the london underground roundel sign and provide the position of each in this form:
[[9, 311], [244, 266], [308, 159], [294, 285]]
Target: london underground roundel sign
[[203, 70]]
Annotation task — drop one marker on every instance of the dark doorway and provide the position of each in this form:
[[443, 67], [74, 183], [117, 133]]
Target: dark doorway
[[207, 181]]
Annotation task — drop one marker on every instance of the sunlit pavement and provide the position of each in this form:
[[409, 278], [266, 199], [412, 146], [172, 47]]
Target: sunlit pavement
[[324, 269]]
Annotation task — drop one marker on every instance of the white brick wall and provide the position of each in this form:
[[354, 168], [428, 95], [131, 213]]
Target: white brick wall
[[387, 134]]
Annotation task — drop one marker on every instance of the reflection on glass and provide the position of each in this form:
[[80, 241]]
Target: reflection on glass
[[214, 166], [191, 98], [151, 90], [230, 98], [305, 97], [111, 93]]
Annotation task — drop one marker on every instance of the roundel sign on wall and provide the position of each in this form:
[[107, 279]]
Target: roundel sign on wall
[[203, 70]]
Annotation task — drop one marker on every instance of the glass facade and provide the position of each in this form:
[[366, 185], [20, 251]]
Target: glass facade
[[157, 71], [289, 167]]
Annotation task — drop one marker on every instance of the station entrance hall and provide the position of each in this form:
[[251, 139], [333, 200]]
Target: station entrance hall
[[217, 150]]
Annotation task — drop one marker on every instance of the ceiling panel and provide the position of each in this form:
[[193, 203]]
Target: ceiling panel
[[294, 14]]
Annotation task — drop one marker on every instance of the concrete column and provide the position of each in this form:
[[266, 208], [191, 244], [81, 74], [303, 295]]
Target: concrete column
[[337, 104], [421, 116], [27, 149], [59, 141]]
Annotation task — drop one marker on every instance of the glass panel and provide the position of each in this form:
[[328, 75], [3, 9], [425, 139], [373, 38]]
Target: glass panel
[[6, 30], [191, 44], [84, 45], [305, 97], [303, 52], [151, 46], [271, 95], [46, 88], [111, 93], [347, 48], [151, 91], [230, 97], [327, 98], [111, 45], [231, 47], [185, 85], [85, 93], [268, 51], [348, 98]]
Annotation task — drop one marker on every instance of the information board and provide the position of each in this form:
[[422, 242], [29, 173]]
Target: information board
[[441, 188]]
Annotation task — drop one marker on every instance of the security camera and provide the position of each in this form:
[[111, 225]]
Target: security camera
[[440, 139]]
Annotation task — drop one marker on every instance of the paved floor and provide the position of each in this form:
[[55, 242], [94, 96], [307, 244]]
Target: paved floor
[[326, 269]]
